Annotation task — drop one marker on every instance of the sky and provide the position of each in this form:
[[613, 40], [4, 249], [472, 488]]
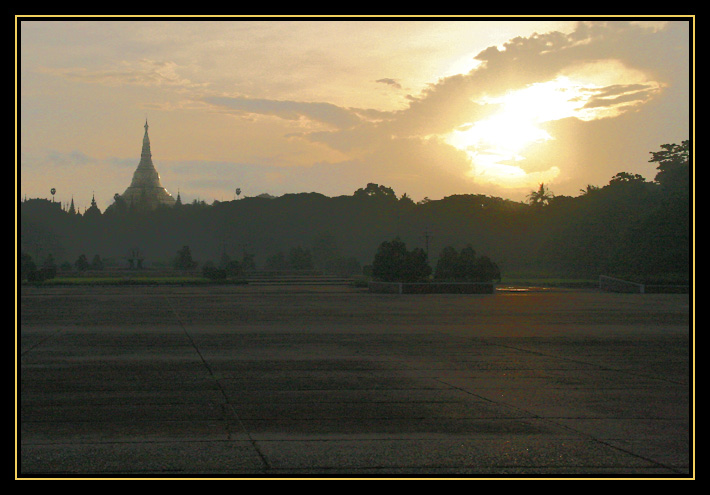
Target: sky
[[430, 107]]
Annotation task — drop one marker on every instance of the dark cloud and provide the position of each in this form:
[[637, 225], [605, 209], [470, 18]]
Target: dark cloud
[[621, 95], [391, 82], [633, 98]]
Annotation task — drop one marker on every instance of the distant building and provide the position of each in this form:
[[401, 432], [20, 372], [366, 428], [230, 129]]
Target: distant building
[[93, 210], [145, 191]]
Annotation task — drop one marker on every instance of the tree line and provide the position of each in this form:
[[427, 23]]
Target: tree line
[[630, 226]]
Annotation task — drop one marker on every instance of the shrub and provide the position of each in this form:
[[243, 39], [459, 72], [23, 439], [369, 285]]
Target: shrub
[[394, 263], [465, 266], [210, 271], [183, 260]]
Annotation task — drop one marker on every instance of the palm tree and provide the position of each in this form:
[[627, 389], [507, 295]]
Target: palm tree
[[541, 197], [590, 189]]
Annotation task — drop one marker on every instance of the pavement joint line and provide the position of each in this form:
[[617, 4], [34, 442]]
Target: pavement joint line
[[423, 363], [600, 367], [546, 419], [36, 345], [254, 445], [566, 427], [485, 341]]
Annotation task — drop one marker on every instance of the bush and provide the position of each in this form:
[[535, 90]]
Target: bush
[[49, 268], [183, 260], [210, 271], [234, 269], [82, 263], [26, 265], [465, 266], [97, 263], [394, 263]]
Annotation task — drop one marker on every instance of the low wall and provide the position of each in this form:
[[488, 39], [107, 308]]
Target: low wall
[[432, 288]]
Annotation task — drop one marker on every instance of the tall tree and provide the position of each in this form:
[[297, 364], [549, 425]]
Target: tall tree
[[394, 263], [82, 263], [446, 267], [183, 260], [673, 165], [541, 197]]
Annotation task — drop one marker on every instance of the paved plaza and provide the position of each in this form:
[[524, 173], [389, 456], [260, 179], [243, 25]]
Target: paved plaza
[[280, 382]]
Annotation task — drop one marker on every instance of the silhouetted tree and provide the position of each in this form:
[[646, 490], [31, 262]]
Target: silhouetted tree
[[629, 223], [210, 271], [626, 177], [465, 266], [673, 165], [183, 260], [97, 263], [234, 269], [446, 267], [300, 259], [541, 197], [247, 264], [118, 206], [394, 263], [224, 260], [486, 270], [589, 189], [49, 268], [376, 191], [417, 267], [27, 266], [406, 200], [82, 263], [390, 261]]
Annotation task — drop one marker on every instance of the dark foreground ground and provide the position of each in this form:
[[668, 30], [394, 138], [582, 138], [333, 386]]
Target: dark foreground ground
[[336, 382]]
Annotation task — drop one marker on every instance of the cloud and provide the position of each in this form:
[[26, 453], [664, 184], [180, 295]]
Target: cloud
[[623, 95], [142, 72], [389, 81], [326, 113], [608, 78], [70, 159]]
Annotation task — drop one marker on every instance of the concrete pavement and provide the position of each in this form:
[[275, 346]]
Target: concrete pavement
[[334, 382]]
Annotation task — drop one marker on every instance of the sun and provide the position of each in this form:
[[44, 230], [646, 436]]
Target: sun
[[498, 145]]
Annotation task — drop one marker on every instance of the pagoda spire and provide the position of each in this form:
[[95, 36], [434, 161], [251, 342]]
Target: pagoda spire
[[145, 187], [145, 152]]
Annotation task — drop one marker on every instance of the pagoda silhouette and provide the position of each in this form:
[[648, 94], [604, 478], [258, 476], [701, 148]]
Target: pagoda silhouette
[[146, 191]]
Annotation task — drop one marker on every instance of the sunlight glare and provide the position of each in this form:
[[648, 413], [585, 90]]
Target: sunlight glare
[[516, 125], [496, 145]]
